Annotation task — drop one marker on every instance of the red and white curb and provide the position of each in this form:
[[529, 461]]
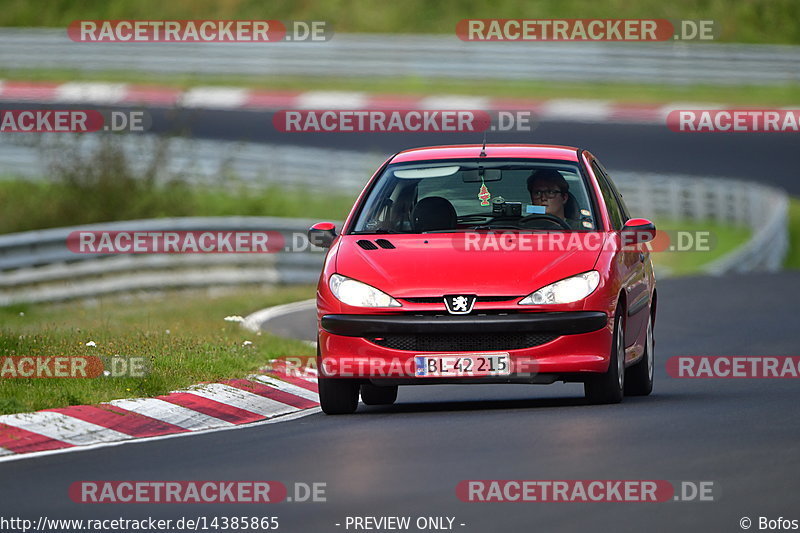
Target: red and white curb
[[281, 393], [98, 93]]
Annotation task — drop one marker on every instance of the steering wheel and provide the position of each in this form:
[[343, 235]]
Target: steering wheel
[[544, 216]]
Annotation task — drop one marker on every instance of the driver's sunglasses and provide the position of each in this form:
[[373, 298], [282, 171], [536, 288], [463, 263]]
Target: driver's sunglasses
[[549, 193]]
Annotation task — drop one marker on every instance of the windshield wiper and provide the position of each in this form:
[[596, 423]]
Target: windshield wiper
[[377, 232], [496, 226], [471, 228]]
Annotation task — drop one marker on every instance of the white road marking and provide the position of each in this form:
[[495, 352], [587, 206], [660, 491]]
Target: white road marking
[[254, 321], [285, 418], [455, 102], [62, 427], [214, 97], [170, 413], [331, 100], [287, 387], [241, 399], [103, 93], [582, 110]]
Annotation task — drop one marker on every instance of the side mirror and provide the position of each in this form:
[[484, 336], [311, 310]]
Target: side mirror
[[638, 230], [322, 234]]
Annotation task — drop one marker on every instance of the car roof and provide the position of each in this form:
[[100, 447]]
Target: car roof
[[471, 151]]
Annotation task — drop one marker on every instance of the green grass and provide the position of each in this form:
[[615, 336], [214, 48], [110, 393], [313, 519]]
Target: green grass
[[765, 21], [29, 205], [780, 95], [183, 335], [723, 240], [793, 257], [102, 184]]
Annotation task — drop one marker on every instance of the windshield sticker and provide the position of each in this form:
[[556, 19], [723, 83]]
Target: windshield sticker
[[535, 209]]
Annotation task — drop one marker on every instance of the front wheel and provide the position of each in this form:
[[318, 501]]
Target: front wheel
[[609, 387], [639, 377], [338, 396]]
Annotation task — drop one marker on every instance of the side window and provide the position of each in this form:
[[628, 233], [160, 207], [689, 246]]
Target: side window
[[625, 212], [614, 210]]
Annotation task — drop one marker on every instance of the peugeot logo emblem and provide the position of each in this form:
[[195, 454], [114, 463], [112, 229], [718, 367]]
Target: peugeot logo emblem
[[459, 304]]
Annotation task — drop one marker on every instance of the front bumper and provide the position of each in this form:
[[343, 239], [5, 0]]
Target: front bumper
[[579, 342], [558, 323]]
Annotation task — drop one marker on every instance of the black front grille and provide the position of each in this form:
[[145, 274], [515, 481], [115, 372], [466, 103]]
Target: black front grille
[[466, 342], [440, 299]]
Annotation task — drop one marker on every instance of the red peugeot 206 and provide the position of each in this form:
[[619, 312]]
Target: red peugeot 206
[[485, 264]]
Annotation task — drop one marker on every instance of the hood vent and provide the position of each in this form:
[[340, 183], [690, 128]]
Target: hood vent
[[367, 245]]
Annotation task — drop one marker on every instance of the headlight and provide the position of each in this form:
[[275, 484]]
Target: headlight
[[565, 291], [359, 294]]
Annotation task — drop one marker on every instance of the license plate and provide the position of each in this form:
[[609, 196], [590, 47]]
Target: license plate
[[456, 365]]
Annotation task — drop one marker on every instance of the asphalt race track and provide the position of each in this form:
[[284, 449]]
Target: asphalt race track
[[767, 158], [407, 459]]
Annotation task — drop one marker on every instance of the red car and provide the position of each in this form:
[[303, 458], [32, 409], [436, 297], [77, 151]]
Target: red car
[[485, 264]]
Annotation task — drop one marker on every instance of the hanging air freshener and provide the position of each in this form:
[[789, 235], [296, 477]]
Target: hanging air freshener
[[483, 194]]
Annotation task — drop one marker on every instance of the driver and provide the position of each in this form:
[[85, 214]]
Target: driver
[[548, 188]]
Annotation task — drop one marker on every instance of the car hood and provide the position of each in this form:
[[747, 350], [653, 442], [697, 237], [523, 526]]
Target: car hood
[[436, 264]]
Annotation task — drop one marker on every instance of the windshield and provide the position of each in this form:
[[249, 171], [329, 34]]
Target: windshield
[[446, 196]]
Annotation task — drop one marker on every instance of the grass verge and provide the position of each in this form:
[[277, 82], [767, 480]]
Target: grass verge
[[793, 256], [772, 21], [723, 240], [183, 336], [779, 95], [29, 205], [105, 182]]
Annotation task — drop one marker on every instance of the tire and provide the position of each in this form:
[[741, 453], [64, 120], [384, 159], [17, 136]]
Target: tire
[[378, 395], [639, 377], [610, 386], [338, 396]]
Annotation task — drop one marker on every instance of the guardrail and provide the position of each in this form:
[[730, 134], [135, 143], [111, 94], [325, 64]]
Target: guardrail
[[430, 56], [761, 209], [207, 162], [37, 266]]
